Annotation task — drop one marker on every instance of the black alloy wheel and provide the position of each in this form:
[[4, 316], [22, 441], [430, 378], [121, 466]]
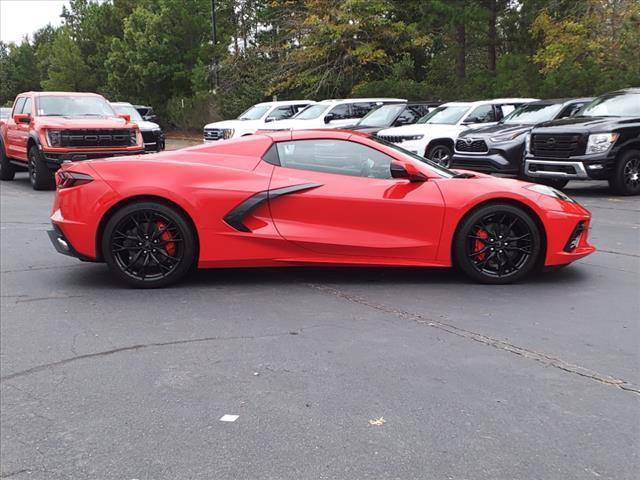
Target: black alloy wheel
[[441, 154], [498, 244], [148, 245], [40, 176], [626, 176]]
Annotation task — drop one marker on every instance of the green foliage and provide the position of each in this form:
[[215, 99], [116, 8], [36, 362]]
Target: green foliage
[[160, 51]]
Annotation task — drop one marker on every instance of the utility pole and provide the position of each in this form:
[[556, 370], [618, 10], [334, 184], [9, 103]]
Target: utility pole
[[214, 37]]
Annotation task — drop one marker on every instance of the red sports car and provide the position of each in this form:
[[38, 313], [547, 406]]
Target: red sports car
[[307, 198]]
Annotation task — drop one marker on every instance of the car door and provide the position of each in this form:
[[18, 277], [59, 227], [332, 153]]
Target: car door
[[338, 199], [14, 148], [23, 129], [338, 116]]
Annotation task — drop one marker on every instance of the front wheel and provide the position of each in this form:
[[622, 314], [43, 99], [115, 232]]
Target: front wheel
[[626, 175], [497, 244], [40, 176], [148, 245], [441, 154], [7, 170]]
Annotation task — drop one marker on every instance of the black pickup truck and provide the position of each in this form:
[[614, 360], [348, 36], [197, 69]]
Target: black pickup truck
[[602, 142]]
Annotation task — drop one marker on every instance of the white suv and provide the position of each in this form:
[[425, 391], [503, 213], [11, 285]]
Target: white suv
[[332, 114], [254, 119], [434, 135]]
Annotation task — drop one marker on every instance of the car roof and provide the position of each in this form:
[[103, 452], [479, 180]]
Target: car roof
[[285, 102], [625, 90], [558, 101], [62, 94], [358, 100]]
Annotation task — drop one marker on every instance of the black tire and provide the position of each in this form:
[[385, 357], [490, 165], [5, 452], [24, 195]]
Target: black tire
[[148, 245], [441, 154], [7, 169], [509, 249], [626, 174], [40, 176]]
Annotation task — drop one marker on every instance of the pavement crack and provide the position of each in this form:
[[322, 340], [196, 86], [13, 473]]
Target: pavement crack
[[142, 346], [634, 255], [14, 473], [34, 269], [539, 357]]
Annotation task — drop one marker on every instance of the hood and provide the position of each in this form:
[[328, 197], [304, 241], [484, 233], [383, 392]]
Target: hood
[[147, 126], [428, 129], [83, 122], [294, 124], [235, 124], [582, 124], [495, 130]]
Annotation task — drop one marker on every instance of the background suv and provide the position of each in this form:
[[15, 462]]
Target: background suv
[[254, 119], [332, 114], [500, 147], [48, 128], [433, 135], [602, 142], [152, 135], [393, 115]]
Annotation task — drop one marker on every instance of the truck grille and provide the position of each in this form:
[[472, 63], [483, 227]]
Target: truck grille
[[213, 134], [473, 146], [96, 138], [397, 138], [557, 145]]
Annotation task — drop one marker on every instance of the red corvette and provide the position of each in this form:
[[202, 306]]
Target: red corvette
[[307, 198]]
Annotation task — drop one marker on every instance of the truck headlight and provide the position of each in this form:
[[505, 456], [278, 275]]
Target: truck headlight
[[227, 133], [601, 142], [54, 137], [527, 143], [133, 136]]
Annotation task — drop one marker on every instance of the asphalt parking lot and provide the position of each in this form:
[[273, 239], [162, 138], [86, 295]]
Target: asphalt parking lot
[[334, 373]]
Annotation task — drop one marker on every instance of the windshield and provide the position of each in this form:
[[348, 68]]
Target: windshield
[[128, 110], [532, 114], [413, 158], [445, 115], [613, 105], [381, 117], [311, 112], [254, 113], [74, 106]]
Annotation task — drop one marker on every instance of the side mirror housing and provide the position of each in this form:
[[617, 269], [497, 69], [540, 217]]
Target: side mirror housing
[[269, 119], [470, 120], [328, 117], [401, 121], [126, 117], [407, 171], [22, 118]]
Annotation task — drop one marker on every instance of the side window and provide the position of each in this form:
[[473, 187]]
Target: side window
[[335, 156], [570, 110], [482, 114], [27, 106], [504, 110], [359, 110], [281, 113], [340, 112], [299, 108], [409, 115], [18, 106]]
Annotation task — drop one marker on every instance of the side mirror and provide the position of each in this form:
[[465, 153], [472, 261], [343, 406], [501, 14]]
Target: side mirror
[[126, 117], [470, 120], [402, 121], [270, 119], [328, 117], [22, 118], [408, 171]]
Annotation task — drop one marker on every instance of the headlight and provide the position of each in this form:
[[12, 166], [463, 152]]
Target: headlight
[[527, 143], [507, 138], [601, 142], [550, 191], [133, 136], [227, 133], [408, 138], [54, 137]]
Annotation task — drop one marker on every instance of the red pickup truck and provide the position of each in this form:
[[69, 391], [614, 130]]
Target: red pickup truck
[[48, 128]]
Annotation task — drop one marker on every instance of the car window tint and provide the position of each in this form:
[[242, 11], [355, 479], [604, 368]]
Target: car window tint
[[282, 112], [409, 115], [18, 106], [360, 109], [483, 114], [335, 156], [570, 110], [340, 112], [26, 108]]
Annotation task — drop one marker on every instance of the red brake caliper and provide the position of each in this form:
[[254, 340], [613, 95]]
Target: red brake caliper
[[166, 236], [478, 245]]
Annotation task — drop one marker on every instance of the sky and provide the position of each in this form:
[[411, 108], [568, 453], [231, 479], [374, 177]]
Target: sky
[[23, 17]]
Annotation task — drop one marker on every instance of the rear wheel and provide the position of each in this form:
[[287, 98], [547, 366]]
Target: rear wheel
[[441, 154], [40, 176], [497, 244], [626, 175], [148, 245], [7, 170]]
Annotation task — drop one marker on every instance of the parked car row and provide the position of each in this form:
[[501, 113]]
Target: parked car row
[[45, 129], [573, 139]]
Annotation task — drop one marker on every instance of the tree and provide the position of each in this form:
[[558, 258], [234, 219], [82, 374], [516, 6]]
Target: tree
[[67, 69]]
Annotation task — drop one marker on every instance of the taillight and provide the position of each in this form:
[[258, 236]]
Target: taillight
[[66, 179]]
